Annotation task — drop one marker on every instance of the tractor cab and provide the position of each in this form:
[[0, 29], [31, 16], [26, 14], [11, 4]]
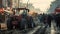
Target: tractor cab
[[20, 11]]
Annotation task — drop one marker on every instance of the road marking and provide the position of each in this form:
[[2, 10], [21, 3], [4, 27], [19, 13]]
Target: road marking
[[33, 31], [52, 28]]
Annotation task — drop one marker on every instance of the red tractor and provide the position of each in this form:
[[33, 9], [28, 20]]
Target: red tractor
[[2, 16], [57, 10], [20, 19]]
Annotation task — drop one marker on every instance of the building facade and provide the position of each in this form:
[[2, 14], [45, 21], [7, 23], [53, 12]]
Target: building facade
[[14, 3], [0, 1], [6, 3], [53, 5]]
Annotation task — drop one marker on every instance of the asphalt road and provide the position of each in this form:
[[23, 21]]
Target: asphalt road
[[25, 31], [48, 30], [37, 30]]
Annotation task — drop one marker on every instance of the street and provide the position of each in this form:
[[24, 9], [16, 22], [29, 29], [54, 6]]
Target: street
[[26, 31], [29, 17], [35, 30]]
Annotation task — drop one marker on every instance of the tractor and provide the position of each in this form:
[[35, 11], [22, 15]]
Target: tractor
[[20, 19]]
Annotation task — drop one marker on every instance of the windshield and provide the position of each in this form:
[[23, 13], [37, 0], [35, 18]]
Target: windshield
[[20, 12]]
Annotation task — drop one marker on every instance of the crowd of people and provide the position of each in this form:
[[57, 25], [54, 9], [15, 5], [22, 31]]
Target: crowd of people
[[48, 18], [24, 20]]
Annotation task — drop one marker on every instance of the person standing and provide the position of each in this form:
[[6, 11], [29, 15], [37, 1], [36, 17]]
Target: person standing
[[57, 20]]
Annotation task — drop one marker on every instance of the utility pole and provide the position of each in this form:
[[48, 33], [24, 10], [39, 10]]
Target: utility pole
[[27, 3], [18, 3]]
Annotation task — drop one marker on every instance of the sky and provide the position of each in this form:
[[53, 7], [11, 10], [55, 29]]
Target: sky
[[43, 5]]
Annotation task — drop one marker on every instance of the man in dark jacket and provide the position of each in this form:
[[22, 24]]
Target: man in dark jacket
[[57, 20], [49, 18]]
